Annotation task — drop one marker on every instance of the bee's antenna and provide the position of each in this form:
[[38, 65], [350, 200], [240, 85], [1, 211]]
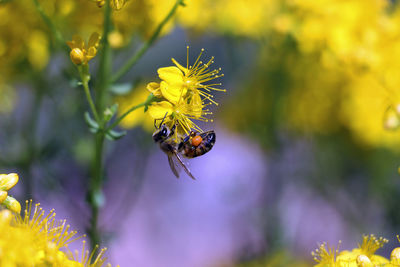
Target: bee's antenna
[[163, 119], [155, 122]]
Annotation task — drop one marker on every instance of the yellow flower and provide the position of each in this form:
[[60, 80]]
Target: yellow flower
[[368, 247], [82, 53], [37, 239], [363, 256], [189, 81], [182, 94], [8, 181]]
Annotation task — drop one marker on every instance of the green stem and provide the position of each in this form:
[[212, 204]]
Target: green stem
[[58, 36], [95, 195], [132, 61], [150, 99], [85, 83], [105, 61]]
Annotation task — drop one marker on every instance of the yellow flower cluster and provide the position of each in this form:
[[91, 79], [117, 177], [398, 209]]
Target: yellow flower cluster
[[363, 256], [37, 239], [8, 181], [337, 64], [184, 93]]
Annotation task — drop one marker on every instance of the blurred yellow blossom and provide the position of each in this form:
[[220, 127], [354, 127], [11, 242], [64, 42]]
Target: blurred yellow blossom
[[37, 239], [137, 117], [82, 53]]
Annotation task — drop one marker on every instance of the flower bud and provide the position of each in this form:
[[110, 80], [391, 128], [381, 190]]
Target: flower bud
[[77, 56], [8, 181], [12, 204], [395, 255], [3, 196]]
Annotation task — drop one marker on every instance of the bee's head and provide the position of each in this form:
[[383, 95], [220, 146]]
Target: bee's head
[[161, 134]]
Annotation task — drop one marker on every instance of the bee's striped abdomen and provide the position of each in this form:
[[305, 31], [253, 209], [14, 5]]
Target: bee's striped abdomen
[[206, 145]]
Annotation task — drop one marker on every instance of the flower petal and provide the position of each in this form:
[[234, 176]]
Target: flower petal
[[78, 42], [159, 109], [171, 75], [172, 92], [154, 88], [182, 68], [8, 181], [94, 40]]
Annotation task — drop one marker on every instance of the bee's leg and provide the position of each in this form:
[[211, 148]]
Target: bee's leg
[[172, 132], [182, 143]]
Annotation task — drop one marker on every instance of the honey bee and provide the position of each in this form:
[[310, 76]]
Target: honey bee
[[191, 146]]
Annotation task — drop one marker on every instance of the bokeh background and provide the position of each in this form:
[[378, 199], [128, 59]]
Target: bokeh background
[[307, 149]]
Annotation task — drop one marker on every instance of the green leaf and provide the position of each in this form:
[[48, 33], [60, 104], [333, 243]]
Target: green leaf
[[114, 135], [93, 125], [121, 88]]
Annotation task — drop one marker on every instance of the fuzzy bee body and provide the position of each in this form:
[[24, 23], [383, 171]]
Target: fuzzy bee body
[[204, 143]]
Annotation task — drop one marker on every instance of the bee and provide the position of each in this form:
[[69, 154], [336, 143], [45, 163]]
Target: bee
[[191, 146]]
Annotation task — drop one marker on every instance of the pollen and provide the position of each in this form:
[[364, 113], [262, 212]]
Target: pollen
[[196, 141]]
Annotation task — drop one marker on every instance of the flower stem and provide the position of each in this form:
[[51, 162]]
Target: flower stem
[[57, 35], [150, 99], [139, 53], [95, 195], [85, 83]]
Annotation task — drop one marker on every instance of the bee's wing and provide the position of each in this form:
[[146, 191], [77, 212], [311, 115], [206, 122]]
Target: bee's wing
[[174, 167], [176, 156]]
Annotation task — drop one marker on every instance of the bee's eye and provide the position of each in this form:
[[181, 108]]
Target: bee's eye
[[164, 132]]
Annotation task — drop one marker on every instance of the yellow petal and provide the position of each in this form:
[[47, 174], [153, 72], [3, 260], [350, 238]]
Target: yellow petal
[[172, 93], [182, 68], [3, 196], [8, 181], [158, 110], [91, 53], [78, 42], [94, 40], [5, 216], [154, 88], [171, 75]]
